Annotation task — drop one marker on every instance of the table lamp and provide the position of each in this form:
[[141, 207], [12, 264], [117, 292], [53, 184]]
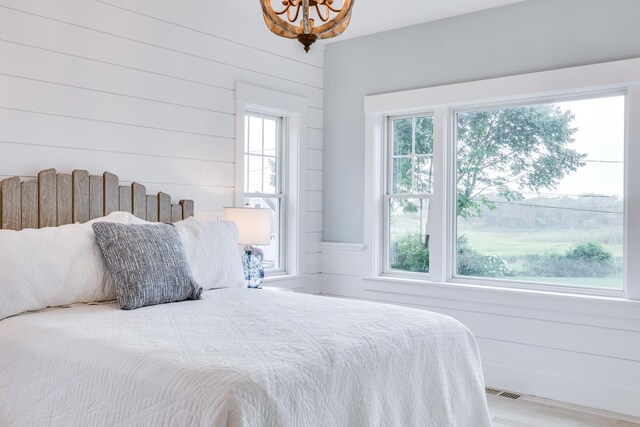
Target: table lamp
[[254, 228]]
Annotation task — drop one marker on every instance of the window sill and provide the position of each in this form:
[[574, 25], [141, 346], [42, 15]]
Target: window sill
[[503, 300], [497, 284], [277, 277]]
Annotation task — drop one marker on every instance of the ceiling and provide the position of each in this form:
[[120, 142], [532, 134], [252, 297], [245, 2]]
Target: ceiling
[[374, 16]]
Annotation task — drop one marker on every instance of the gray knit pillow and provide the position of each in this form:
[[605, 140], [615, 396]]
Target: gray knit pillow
[[147, 263]]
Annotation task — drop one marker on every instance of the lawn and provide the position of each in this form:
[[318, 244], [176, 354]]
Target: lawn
[[515, 245], [518, 243]]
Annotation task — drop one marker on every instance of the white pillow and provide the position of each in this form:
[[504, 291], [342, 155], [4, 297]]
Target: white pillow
[[54, 266], [213, 254]]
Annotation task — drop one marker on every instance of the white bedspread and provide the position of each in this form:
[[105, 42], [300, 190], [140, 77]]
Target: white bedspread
[[240, 358]]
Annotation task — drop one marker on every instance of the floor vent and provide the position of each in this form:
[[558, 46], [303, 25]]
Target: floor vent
[[501, 393], [506, 394]]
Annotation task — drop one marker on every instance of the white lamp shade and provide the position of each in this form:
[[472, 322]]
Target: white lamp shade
[[254, 224]]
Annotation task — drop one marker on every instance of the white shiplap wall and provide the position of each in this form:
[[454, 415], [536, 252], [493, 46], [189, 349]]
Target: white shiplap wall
[[145, 89]]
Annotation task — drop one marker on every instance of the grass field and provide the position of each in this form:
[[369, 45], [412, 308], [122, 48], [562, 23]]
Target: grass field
[[518, 243], [515, 245]]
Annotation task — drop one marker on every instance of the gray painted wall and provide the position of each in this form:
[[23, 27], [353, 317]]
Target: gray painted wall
[[534, 35]]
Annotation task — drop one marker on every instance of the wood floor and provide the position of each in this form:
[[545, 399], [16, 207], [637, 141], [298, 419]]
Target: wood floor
[[529, 411]]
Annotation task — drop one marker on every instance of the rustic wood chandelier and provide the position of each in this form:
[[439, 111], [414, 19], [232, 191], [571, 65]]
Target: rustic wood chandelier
[[301, 26]]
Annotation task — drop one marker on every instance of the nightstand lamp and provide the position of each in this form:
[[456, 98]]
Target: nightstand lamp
[[254, 228]]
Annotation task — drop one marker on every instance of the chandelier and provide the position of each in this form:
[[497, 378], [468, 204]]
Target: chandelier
[[298, 18]]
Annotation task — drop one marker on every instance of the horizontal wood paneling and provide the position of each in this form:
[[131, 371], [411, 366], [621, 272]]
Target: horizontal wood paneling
[[127, 166], [314, 160], [314, 221], [146, 90], [313, 263], [18, 126], [316, 118], [314, 180], [99, 76], [222, 20], [313, 240], [138, 28], [105, 47], [314, 201], [315, 139], [29, 95]]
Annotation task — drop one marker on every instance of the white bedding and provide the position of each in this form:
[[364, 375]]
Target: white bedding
[[240, 357]]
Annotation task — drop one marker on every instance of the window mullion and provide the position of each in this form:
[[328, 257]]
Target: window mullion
[[413, 153], [438, 249]]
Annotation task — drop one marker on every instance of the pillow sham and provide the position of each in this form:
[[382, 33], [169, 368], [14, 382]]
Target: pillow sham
[[147, 262], [54, 266], [213, 253]]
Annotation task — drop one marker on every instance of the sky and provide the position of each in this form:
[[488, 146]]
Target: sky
[[600, 123]]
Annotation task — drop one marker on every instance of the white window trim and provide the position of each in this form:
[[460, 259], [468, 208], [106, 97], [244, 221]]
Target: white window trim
[[293, 109], [442, 101]]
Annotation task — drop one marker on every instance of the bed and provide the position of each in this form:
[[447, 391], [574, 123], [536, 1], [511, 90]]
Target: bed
[[240, 357]]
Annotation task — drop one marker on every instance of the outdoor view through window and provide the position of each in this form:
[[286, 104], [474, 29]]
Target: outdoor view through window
[[540, 192], [410, 187], [262, 180]]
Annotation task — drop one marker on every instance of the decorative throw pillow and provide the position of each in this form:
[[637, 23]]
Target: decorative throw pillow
[[147, 263]]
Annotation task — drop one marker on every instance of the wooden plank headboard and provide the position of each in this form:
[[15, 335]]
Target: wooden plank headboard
[[57, 199]]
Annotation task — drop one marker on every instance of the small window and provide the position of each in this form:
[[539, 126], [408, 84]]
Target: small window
[[540, 193], [409, 193], [263, 179]]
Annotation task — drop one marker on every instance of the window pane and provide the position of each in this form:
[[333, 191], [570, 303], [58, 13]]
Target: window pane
[[401, 175], [423, 169], [255, 135], [270, 136], [254, 174], [270, 175], [271, 252], [402, 136], [540, 193], [409, 235], [424, 135]]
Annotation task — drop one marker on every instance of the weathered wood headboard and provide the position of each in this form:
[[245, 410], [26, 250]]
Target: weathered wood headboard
[[57, 199]]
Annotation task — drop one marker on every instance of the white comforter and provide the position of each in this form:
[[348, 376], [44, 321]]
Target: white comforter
[[240, 358]]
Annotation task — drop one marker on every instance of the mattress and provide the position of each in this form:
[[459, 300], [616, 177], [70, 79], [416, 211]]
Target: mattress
[[240, 357]]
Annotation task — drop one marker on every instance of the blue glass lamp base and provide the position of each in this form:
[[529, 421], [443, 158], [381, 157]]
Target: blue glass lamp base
[[253, 271]]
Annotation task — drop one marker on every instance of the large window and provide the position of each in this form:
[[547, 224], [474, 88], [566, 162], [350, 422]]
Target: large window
[[539, 192], [521, 182], [409, 190], [263, 179]]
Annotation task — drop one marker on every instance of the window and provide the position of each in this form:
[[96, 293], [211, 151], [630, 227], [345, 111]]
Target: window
[[539, 194], [409, 190], [263, 179], [271, 136], [523, 182]]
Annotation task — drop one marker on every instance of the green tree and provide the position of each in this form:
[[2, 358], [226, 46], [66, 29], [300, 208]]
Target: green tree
[[501, 153], [510, 150]]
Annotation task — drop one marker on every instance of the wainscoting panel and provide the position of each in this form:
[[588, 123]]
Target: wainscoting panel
[[568, 348]]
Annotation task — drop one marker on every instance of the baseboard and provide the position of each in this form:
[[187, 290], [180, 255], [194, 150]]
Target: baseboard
[[606, 397]]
